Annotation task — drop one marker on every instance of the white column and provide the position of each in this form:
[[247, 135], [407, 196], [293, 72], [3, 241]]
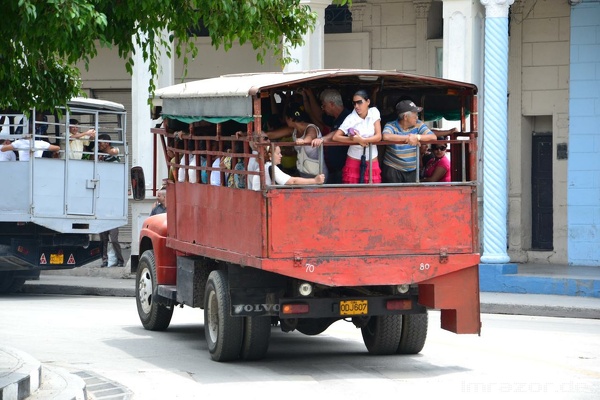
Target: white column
[[141, 149], [463, 41], [463, 46], [312, 54], [495, 134]]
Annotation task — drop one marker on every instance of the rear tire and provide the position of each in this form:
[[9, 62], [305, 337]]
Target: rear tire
[[257, 332], [154, 316], [224, 333], [10, 284], [382, 334], [414, 333]]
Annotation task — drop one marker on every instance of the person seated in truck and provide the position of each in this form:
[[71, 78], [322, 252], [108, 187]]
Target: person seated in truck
[[181, 172], [438, 167], [278, 132], [106, 151], [273, 172]]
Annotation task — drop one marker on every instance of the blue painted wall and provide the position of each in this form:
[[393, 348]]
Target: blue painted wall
[[583, 197]]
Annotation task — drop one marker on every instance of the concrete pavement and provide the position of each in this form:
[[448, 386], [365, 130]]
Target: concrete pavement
[[569, 292]]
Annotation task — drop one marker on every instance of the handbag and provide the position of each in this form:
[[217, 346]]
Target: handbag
[[307, 165], [304, 163]]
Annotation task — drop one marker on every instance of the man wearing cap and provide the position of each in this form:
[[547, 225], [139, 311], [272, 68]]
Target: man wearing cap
[[400, 160]]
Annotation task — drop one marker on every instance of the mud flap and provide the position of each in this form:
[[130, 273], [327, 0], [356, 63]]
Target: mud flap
[[457, 296]]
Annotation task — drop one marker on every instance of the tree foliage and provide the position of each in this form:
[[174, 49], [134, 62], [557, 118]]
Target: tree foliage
[[42, 40]]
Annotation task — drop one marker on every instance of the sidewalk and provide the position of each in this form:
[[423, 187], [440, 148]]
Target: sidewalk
[[524, 299]]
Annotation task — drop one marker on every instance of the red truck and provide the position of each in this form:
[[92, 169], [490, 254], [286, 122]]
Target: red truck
[[303, 257]]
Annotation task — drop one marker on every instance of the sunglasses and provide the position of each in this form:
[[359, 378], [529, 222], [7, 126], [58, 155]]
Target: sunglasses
[[357, 102], [438, 148]]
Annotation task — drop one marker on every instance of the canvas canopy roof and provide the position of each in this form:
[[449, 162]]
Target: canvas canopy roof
[[82, 102], [231, 96]]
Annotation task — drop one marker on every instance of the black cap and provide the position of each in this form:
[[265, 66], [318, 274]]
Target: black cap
[[407, 105]]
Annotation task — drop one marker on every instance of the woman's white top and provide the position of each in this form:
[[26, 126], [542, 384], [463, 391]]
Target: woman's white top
[[365, 127], [281, 177]]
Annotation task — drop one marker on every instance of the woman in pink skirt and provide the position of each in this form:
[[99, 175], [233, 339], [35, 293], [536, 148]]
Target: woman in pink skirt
[[361, 128]]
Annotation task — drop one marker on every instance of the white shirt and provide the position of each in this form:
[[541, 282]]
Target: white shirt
[[365, 127], [281, 177], [215, 176], [76, 147], [23, 146], [7, 155], [252, 166], [191, 172]]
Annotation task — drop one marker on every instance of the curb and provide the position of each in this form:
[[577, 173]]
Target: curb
[[22, 377], [78, 290], [59, 384], [539, 311]]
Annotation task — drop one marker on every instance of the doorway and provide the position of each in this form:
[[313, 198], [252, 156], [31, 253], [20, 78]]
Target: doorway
[[542, 223]]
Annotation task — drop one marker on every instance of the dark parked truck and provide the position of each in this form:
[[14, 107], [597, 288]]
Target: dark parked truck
[[58, 195], [301, 257]]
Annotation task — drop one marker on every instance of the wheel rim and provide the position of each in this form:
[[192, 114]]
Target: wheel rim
[[145, 290], [213, 317]]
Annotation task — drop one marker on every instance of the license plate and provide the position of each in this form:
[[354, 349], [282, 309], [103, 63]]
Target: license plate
[[57, 258], [354, 307]]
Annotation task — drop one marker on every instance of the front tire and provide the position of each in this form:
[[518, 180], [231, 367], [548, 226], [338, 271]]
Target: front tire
[[154, 316], [224, 333], [382, 334]]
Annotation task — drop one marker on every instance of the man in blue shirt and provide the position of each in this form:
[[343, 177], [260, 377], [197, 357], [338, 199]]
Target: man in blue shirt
[[400, 160]]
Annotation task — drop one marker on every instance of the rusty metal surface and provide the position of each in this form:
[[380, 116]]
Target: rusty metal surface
[[457, 296], [218, 217], [371, 221], [353, 236]]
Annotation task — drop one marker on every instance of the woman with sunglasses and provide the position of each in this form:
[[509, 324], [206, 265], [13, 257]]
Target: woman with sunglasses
[[438, 167], [361, 128]]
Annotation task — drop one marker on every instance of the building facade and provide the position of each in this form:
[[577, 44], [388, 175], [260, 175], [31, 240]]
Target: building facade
[[549, 145]]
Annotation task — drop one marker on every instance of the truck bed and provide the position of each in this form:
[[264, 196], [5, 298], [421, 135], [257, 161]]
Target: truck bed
[[308, 233]]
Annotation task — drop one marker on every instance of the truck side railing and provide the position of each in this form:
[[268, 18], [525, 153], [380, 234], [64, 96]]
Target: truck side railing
[[462, 150]]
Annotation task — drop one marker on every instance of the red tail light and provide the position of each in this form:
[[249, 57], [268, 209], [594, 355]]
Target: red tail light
[[295, 309], [399, 304]]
